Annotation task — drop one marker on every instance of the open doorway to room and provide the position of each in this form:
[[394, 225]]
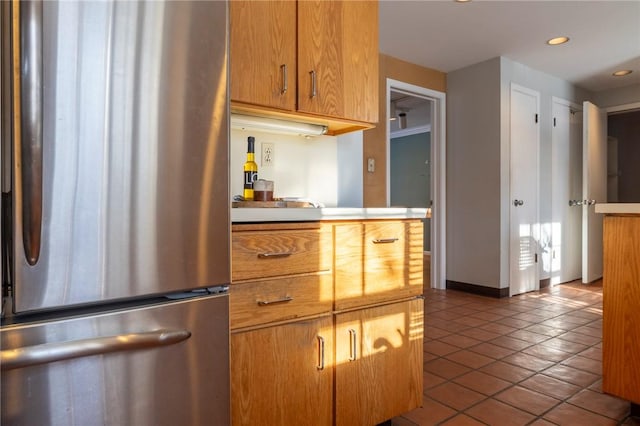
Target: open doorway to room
[[415, 153]]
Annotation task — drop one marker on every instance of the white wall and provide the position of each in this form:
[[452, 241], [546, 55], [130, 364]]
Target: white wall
[[473, 174], [548, 86], [350, 180], [619, 96], [478, 156], [327, 169]]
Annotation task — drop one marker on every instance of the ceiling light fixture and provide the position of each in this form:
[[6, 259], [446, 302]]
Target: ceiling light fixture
[[557, 40], [622, 73], [272, 125], [403, 120]]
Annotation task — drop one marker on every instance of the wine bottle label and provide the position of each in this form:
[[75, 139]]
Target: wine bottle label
[[249, 178]]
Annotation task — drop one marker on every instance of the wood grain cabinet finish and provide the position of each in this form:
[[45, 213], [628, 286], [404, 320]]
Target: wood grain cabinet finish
[[621, 307], [283, 375], [338, 59], [280, 299], [352, 282], [263, 65], [265, 251], [379, 357], [311, 57], [377, 261]]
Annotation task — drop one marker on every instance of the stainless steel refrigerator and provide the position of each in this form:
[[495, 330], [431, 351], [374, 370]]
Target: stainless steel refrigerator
[[115, 211]]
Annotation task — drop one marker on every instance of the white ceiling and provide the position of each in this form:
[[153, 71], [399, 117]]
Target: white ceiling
[[446, 35]]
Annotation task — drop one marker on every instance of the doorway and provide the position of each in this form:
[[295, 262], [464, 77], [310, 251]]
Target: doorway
[[416, 165]]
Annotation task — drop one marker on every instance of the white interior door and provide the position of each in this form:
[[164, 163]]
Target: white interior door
[[524, 167], [566, 192], [594, 188]]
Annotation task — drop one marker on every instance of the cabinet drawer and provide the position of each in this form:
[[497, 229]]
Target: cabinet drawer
[[377, 261], [261, 302], [263, 254]]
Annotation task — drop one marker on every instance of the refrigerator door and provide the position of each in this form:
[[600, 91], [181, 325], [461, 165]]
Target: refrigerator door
[[159, 365], [121, 176]]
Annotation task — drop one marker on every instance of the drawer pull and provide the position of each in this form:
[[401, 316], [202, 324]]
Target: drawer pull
[[384, 240], [274, 302], [353, 355], [320, 365], [274, 255]]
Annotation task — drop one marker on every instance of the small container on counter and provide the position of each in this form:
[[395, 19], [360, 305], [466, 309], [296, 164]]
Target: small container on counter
[[263, 190]]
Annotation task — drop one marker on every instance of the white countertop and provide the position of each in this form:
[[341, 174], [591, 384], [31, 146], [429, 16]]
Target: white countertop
[[330, 213], [624, 208]]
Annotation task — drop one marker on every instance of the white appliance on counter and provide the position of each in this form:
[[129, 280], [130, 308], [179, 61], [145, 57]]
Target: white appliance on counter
[[116, 246]]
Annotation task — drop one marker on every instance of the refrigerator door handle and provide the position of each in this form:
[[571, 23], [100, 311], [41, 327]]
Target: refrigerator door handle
[[30, 139], [51, 352]]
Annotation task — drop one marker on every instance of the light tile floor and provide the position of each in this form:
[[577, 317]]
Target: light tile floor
[[532, 359]]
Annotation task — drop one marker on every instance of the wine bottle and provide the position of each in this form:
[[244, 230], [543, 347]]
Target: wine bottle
[[250, 169]]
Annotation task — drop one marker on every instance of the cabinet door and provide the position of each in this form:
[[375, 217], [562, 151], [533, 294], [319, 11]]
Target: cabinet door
[[378, 362], [338, 59], [283, 375], [263, 53], [377, 261]]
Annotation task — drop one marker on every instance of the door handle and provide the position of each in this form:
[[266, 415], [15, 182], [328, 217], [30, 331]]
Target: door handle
[[51, 352], [353, 345], [518, 203], [31, 128]]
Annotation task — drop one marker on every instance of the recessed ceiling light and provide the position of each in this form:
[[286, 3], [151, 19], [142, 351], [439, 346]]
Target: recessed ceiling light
[[462, 1], [557, 40], [621, 73]]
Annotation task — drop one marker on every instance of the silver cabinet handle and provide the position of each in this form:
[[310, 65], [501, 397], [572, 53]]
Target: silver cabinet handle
[[353, 354], [384, 240], [588, 202], [275, 302], [51, 352], [285, 79], [313, 84], [31, 127], [518, 203], [320, 365], [274, 255], [573, 203]]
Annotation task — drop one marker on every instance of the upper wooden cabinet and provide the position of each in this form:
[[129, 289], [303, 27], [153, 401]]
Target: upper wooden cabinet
[[338, 57], [308, 59], [263, 53]]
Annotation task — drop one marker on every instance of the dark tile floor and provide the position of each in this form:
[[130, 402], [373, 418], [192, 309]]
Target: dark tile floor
[[530, 359]]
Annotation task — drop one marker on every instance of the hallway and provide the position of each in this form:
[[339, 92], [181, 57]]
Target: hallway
[[530, 359]]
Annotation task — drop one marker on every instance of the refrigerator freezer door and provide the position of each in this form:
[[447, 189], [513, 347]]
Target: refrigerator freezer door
[[140, 378], [134, 151]]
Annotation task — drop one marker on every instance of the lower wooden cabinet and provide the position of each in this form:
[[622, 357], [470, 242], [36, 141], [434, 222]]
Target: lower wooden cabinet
[[283, 375], [621, 307], [378, 363]]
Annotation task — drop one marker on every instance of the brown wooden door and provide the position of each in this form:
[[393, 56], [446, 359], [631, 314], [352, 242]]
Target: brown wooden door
[[377, 261], [338, 59], [279, 375], [378, 362], [263, 53]]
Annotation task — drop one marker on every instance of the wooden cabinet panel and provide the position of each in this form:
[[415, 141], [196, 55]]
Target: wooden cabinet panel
[[378, 360], [278, 44], [277, 377], [621, 307], [263, 54], [263, 254], [377, 261], [338, 50], [279, 299]]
